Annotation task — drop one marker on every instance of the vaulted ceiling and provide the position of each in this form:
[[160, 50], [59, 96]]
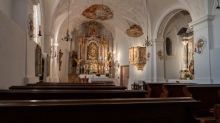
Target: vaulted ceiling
[[123, 11]]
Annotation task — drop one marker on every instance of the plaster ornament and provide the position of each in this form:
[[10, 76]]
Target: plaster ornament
[[160, 54], [134, 31], [98, 11], [200, 45]]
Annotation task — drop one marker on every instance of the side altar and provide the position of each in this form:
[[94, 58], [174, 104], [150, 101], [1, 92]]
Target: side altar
[[92, 52]]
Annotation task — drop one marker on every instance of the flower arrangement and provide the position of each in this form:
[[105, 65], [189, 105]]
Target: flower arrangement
[[187, 75]]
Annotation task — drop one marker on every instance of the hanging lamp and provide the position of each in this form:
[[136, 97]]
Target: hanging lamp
[[67, 36]]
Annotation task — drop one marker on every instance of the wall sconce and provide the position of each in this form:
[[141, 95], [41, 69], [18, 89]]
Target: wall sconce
[[218, 5], [147, 42], [39, 34], [137, 57], [160, 54], [148, 56], [200, 45]]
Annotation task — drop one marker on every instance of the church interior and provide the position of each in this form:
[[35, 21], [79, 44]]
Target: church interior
[[114, 58]]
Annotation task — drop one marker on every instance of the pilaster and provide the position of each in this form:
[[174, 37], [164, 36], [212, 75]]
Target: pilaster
[[158, 45], [203, 29]]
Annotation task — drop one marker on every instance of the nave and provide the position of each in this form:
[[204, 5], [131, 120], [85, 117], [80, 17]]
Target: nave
[[109, 61]]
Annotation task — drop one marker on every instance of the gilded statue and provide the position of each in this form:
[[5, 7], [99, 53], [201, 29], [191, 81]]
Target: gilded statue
[[78, 61], [92, 51]]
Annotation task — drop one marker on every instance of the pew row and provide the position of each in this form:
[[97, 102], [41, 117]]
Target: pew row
[[174, 90], [68, 87], [69, 94], [147, 110], [208, 95]]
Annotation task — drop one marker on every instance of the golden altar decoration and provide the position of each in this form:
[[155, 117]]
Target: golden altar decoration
[[137, 57]]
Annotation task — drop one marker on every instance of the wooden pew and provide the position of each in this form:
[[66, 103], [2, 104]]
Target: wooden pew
[[69, 94], [208, 95], [154, 89], [147, 110], [69, 87], [70, 84], [217, 112], [174, 90]]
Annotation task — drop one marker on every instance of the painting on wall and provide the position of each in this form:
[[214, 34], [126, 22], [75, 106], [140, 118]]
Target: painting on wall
[[48, 65], [134, 31], [93, 51], [38, 61], [98, 11]]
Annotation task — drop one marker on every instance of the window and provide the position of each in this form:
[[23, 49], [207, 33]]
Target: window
[[168, 46]]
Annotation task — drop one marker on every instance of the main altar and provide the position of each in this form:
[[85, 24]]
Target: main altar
[[92, 52]]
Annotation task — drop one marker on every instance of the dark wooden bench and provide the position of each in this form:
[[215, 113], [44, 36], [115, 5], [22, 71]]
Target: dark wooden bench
[[154, 89], [174, 90], [147, 110], [69, 94], [69, 87], [208, 95], [70, 84]]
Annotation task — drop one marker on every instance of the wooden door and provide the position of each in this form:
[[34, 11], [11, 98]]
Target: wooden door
[[124, 75]]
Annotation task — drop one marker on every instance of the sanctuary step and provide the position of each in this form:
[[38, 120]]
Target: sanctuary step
[[68, 87], [70, 84], [148, 110]]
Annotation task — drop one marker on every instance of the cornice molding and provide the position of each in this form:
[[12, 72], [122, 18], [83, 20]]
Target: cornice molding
[[201, 20]]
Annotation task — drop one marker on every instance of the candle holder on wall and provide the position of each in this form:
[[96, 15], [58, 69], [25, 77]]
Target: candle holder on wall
[[60, 60], [148, 56], [160, 54], [200, 45]]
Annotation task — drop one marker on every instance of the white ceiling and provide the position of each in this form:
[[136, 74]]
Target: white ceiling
[[125, 12]]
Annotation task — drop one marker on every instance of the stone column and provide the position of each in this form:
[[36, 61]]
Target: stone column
[[203, 29], [158, 62], [54, 64]]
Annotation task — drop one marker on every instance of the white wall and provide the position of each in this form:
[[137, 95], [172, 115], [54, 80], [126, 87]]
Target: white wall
[[12, 53], [215, 65], [214, 53], [216, 29], [6, 7], [173, 63], [63, 73]]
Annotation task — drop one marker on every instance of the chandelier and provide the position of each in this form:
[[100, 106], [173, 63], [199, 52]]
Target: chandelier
[[67, 36]]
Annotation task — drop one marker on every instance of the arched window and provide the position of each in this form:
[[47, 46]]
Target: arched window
[[37, 22], [168, 46]]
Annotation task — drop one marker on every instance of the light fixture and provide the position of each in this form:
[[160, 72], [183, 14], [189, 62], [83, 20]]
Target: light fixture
[[67, 36], [147, 42], [218, 5]]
